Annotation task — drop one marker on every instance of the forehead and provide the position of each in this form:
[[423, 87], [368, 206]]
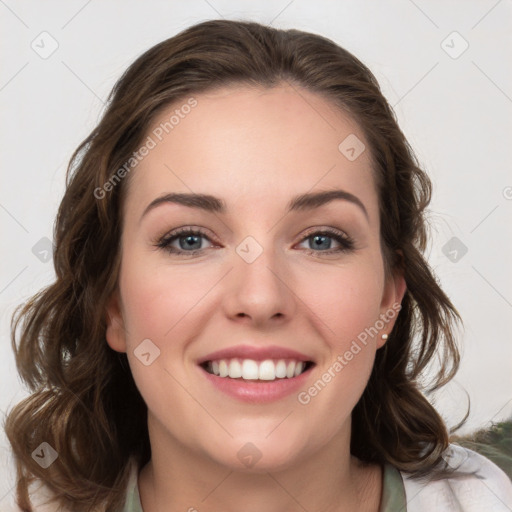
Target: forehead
[[251, 144]]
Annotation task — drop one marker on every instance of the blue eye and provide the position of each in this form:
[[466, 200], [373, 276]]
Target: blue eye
[[186, 238], [190, 242], [322, 240]]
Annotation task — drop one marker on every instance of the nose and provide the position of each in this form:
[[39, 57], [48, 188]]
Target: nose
[[260, 292]]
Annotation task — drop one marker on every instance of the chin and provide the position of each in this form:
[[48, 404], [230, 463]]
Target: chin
[[256, 454]]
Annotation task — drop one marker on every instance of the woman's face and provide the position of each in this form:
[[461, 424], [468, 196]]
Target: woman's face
[[257, 279]]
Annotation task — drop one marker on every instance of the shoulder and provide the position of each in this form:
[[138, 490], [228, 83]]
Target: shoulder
[[483, 488]]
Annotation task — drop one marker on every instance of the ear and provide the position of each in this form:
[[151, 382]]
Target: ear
[[394, 291], [115, 333]]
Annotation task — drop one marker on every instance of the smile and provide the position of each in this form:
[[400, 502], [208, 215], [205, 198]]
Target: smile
[[250, 369], [256, 374]]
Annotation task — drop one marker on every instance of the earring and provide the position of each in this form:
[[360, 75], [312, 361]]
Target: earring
[[384, 336]]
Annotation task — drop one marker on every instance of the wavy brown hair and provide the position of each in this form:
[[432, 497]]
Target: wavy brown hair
[[84, 401]]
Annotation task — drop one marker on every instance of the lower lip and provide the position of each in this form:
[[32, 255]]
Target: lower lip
[[258, 391]]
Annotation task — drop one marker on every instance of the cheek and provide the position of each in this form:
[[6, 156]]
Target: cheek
[[169, 306], [157, 299], [346, 301], [347, 306], [159, 304]]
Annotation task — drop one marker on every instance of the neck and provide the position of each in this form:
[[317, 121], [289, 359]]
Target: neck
[[178, 478]]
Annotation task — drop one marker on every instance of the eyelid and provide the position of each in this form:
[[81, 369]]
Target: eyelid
[[324, 229], [183, 230]]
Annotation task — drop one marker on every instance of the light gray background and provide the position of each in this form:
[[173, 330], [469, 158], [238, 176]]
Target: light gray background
[[456, 112]]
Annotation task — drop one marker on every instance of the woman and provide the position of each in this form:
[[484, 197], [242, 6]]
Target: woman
[[242, 311]]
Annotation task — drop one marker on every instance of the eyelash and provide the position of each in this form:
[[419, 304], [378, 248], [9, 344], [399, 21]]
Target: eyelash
[[346, 243]]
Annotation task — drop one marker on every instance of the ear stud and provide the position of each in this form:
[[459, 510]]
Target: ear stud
[[384, 336]]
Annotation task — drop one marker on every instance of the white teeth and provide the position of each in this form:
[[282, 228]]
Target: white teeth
[[267, 370], [223, 368], [281, 369], [249, 369], [235, 369]]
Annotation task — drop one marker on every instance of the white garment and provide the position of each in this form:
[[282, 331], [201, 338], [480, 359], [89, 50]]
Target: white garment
[[489, 490]]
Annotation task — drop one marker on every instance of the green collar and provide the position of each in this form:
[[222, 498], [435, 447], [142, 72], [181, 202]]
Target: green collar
[[393, 491]]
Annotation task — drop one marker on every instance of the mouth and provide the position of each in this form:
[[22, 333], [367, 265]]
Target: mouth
[[256, 370], [256, 374]]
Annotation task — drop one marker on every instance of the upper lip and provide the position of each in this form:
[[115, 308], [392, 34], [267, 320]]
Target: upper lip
[[255, 353]]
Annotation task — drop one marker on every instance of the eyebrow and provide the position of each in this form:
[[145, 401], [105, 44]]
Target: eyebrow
[[209, 203]]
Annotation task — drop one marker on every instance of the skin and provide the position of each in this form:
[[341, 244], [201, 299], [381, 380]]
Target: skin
[[254, 148]]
